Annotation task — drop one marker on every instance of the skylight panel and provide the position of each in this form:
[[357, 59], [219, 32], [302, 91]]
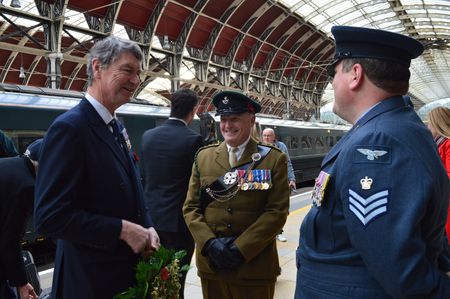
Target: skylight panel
[[321, 3], [349, 17], [392, 24], [337, 9], [289, 3], [319, 20], [376, 7], [305, 10]]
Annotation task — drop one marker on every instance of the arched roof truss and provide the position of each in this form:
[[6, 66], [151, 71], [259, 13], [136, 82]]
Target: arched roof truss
[[275, 51]]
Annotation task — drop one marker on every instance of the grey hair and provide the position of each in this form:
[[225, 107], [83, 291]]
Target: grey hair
[[108, 50]]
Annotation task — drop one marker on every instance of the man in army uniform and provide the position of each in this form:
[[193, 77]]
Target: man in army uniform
[[237, 202], [376, 227]]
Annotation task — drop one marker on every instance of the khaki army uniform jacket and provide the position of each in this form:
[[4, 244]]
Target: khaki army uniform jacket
[[255, 217]]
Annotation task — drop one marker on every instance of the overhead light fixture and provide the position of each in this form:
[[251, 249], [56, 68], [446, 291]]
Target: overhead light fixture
[[166, 43], [15, 4], [22, 72], [21, 69]]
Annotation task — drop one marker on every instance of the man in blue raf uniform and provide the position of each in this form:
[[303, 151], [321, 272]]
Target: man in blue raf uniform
[[88, 192], [237, 202], [376, 227]]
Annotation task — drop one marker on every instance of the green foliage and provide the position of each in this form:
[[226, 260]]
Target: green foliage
[[157, 276]]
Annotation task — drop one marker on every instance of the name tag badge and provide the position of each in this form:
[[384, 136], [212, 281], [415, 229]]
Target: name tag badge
[[318, 193]]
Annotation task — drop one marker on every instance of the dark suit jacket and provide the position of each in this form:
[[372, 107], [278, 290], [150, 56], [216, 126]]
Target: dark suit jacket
[[86, 186], [167, 155], [17, 194]]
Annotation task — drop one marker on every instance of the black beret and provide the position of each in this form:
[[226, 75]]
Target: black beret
[[34, 150], [231, 102], [357, 42]]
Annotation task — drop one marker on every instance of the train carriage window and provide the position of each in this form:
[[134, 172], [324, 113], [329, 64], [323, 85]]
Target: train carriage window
[[319, 142], [306, 142], [329, 141], [294, 142], [291, 142]]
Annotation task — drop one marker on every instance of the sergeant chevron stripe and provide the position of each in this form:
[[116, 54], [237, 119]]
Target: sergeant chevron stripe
[[366, 209]]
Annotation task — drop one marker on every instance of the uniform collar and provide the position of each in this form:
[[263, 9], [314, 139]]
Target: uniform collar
[[241, 148]]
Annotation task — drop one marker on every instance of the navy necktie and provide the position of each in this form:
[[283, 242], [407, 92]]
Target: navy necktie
[[120, 140], [115, 130]]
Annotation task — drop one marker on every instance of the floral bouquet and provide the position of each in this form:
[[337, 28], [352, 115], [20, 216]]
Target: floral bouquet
[[158, 277]]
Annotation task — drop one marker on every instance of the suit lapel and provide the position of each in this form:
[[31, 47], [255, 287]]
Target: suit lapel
[[100, 129]]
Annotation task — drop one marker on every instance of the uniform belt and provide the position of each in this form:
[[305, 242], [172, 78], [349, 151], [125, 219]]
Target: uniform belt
[[337, 274]]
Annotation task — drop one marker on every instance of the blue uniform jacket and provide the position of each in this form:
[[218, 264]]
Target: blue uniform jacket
[[85, 187], [379, 231]]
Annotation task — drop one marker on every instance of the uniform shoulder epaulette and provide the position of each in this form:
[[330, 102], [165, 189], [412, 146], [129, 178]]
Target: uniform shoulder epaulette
[[206, 146], [269, 145], [209, 145]]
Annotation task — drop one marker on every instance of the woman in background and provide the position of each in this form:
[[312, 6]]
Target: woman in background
[[439, 125]]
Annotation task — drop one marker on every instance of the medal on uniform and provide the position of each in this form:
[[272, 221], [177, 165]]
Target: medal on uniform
[[230, 178], [320, 185]]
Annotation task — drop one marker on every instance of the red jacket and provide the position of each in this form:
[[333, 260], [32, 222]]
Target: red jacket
[[444, 152]]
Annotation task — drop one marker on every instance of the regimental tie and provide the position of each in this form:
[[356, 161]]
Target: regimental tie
[[232, 158], [115, 130], [114, 125]]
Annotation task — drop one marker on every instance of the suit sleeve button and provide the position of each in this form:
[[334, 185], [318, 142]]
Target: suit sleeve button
[[229, 210]]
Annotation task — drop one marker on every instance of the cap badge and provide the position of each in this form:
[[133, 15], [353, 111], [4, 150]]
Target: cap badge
[[366, 183], [225, 100]]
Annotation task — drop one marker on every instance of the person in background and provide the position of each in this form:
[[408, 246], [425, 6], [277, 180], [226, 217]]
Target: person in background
[[17, 175], [376, 226], [268, 136], [237, 202], [7, 148], [89, 193], [439, 125], [167, 155]]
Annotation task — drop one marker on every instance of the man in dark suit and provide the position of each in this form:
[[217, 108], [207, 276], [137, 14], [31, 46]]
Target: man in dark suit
[[167, 155], [17, 176], [89, 194]]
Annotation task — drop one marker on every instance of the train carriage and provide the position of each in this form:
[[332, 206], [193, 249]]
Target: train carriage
[[27, 112]]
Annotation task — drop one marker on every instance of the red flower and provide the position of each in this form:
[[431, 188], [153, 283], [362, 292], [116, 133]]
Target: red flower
[[135, 156], [164, 274]]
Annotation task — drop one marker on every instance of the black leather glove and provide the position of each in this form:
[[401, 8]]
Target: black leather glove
[[236, 257], [222, 253]]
